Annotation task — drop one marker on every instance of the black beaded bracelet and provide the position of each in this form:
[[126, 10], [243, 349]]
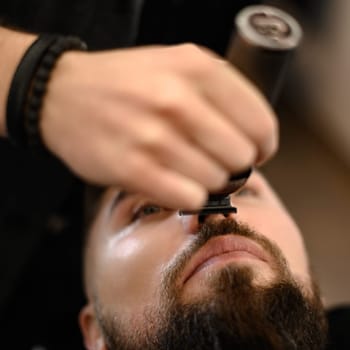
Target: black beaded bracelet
[[29, 84], [20, 87]]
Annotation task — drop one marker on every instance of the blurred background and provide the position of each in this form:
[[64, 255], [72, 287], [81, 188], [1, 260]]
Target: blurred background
[[312, 169]]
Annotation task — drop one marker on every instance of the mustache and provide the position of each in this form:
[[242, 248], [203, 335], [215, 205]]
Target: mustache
[[211, 229]]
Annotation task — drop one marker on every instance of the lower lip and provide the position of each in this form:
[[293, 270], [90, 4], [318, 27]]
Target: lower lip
[[224, 258]]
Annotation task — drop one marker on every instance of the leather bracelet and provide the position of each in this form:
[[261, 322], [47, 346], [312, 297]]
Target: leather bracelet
[[20, 86], [29, 84]]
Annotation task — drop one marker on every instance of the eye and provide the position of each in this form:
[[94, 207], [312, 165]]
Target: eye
[[146, 210]]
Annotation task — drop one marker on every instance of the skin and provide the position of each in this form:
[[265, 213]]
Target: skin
[[163, 109], [125, 261]]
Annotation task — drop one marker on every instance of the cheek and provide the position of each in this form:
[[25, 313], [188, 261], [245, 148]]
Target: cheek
[[130, 269], [274, 223]]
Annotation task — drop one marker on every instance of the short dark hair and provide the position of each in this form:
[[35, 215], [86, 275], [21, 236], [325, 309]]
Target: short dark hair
[[92, 200]]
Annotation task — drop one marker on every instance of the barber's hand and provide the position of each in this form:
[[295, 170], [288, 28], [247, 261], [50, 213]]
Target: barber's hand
[[169, 122]]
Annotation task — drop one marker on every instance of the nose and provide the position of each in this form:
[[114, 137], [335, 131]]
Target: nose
[[202, 218], [192, 223]]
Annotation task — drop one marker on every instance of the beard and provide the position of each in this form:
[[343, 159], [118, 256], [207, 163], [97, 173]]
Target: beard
[[234, 314]]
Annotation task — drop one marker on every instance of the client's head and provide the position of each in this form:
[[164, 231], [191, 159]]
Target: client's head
[[157, 280]]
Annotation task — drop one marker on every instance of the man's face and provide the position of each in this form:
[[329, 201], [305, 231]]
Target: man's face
[[157, 280]]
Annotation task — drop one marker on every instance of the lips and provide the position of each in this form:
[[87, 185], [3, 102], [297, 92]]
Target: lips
[[224, 246]]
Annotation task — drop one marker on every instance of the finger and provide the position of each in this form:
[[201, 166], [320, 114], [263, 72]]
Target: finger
[[232, 94], [166, 145], [244, 105], [164, 186], [181, 105], [179, 155]]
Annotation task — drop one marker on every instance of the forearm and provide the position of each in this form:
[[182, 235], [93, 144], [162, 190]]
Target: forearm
[[13, 45]]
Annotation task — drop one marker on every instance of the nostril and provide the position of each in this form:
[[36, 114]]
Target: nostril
[[192, 223], [201, 219]]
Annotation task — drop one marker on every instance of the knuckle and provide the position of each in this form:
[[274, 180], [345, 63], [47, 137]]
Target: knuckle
[[246, 158], [153, 136], [250, 157], [190, 49], [268, 145], [171, 97], [268, 128], [201, 58], [205, 64]]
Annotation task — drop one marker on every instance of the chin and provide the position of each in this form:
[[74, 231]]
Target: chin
[[208, 281]]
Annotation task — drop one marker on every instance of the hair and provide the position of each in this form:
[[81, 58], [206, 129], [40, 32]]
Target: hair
[[91, 205]]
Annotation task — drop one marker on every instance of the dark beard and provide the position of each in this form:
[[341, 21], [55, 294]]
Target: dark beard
[[241, 316], [237, 315]]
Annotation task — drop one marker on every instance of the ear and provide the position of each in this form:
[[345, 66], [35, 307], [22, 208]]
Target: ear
[[93, 338]]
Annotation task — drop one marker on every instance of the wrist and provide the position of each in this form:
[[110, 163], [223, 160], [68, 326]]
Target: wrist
[[62, 79], [29, 87]]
